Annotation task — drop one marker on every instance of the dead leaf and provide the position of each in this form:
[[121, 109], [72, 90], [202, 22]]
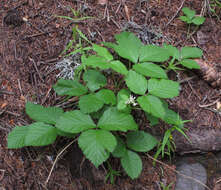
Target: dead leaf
[[127, 12], [4, 105]]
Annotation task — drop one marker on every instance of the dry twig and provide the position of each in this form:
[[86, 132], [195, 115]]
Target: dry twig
[[175, 13], [56, 159]]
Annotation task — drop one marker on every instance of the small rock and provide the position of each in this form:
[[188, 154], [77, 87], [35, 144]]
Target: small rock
[[193, 171]]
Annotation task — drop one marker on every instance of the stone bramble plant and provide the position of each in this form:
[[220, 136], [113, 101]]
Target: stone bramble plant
[[103, 123]]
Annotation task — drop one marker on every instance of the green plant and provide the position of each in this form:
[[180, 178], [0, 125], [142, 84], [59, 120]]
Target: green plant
[[77, 35], [166, 187], [190, 17], [214, 6], [102, 122], [76, 18], [111, 174]]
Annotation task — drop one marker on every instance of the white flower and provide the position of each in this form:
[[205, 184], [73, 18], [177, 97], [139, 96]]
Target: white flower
[[131, 100]]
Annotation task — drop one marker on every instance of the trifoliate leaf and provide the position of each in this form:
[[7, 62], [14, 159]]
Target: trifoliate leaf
[[128, 46], [44, 114], [113, 120], [185, 19], [188, 12], [90, 103], [190, 64], [103, 52], [153, 53], [69, 87], [132, 164], [150, 70], [118, 67], [198, 20], [75, 122], [94, 79], [40, 134], [96, 145], [141, 141], [120, 149], [16, 138], [95, 62], [136, 82], [152, 105], [106, 96], [191, 52], [163, 88], [122, 98]]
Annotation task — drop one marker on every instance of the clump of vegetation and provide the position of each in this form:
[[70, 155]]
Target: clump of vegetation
[[191, 18], [102, 120]]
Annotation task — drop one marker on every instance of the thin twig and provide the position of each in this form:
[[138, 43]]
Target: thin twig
[[5, 129], [19, 86], [56, 159], [36, 68], [2, 174], [208, 105], [177, 172], [175, 13]]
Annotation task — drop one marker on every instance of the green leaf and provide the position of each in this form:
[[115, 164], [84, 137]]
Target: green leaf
[[113, 120], [106, 96], [122, 97], [95, 62], [185, 19], [96, 145], [153, 120], [190, 64], [94, 79], [103, 52], [90, 103], [65, 134], [75, 122], [189, 13], [128, 46], [172, 51], [172, 117], [153, 53], [132, 164], [40, 134], [141, 141], [191, 52], [136, 82], [198, 20], [163, 88], [150, 70], [69, 87], [152, 105], [16, 138], [120, 149], [118, 67], [43, 114]]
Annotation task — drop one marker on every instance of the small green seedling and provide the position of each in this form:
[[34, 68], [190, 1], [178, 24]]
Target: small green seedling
[[111, 174], [190, 17], [166, 187], [76, 18], [102, 120]]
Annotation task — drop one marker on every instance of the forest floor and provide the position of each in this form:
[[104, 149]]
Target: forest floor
[[31, 41]]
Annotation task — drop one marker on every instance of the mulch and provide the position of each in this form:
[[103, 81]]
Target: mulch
[[31, 41]]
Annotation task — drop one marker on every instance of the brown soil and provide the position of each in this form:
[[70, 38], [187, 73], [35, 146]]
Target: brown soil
[[31, 40]]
